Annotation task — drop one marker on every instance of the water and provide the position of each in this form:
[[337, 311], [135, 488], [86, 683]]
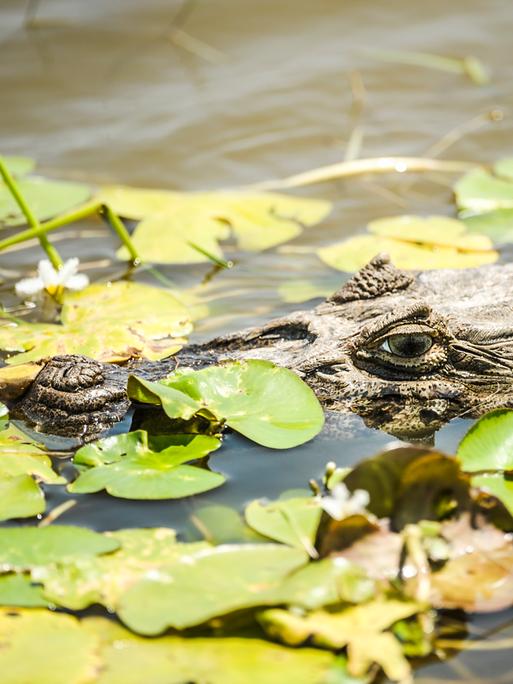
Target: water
[[114, 92]]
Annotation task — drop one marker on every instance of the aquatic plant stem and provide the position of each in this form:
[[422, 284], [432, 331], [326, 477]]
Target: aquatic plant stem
[[82, 212], [359, 167], [52, 253], [123, 234]]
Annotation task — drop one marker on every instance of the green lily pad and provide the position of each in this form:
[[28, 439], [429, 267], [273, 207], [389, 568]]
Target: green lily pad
[[222, 525], [129, 319], [488, 445], [360, 628], [353, 253], [130, 466], [231, 577], [20, 497], [132, 659], [18, 590], [291, 521], [266, 403], [61, 652], [24, 547], [22, 459], [104, 578], [498, 225], [46, 198], [479, 191], [299, 291], [19, 166], [172, 223], [326, 582]]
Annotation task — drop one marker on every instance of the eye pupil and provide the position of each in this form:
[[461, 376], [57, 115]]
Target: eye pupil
[[409, 345]]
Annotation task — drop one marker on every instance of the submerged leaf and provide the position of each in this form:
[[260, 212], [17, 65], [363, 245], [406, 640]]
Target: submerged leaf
[[130, 466], [173, 223], [46, 198], [270, 405], [129, 319]]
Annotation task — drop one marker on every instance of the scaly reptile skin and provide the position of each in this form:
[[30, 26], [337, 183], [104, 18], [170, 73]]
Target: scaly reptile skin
[[407, 352]]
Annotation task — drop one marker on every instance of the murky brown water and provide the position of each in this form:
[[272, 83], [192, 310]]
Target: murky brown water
[[116, 91]]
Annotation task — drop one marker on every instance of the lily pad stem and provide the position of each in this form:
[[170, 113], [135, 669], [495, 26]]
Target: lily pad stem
[[33, 222]]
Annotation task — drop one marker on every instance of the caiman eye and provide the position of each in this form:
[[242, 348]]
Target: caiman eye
[[408, 345]]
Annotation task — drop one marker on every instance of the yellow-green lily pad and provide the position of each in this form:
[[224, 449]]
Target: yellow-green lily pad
[[173, 223], [353, 253], [46, 198], [129, 320]]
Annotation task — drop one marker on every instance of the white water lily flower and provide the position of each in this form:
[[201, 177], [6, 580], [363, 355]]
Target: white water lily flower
[[53, 280], [341, 503]]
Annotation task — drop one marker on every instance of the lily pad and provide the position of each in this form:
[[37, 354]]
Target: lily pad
[[479, 191], [132, 659], [130, 466], [19, 455], [129, 319], [266, 403], [173, 223], [46, 198], [231, 577], [488, 445], [18, 590], [497, 225], [19, 166], [24, 547], [360, 628], [61, 652], [435, 231], [20, 497], [352, 254], [291, 521], [104, 578]]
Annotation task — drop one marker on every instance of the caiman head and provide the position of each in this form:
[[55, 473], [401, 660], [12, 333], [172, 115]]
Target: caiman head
[[407, 352]]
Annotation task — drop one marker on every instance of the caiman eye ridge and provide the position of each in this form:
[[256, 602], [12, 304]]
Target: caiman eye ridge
[[407, 345]]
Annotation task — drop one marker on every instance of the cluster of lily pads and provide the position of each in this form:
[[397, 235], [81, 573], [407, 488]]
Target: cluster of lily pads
[[355, 576], [352, 572]]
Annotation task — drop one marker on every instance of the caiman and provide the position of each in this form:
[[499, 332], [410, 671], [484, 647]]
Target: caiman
[[405, 351]]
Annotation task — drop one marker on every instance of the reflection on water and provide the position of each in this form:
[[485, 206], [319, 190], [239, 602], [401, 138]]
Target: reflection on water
[[199, 95]]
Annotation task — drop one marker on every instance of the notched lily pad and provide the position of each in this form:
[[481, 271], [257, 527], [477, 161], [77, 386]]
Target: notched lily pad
[[266, 403], [133, 466], [360, 628], [413, 243], [173, 223]]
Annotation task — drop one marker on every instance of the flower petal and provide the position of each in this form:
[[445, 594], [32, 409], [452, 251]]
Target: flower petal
[[77, 282], [47, 274], [68, 270], [29, 287]]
